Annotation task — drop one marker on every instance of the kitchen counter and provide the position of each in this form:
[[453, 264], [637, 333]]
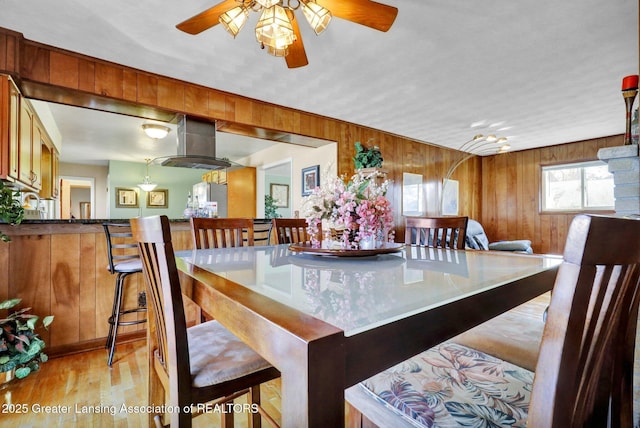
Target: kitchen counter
[[59, 268]]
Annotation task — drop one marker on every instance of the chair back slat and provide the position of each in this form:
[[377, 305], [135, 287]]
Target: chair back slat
[[291, 230], [153, 235], [262, 233], [120, 244], [585, 364], [440, 232], [222, 232]]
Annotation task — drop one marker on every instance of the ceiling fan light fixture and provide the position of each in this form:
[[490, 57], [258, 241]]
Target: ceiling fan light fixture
[[317, 16], [267, 3], [233, 20], [280, 52], [155, 131], [274, 28]]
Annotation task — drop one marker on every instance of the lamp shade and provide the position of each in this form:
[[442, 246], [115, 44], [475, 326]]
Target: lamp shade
[[147, 185], [317, 16], [155, 131], [274, 28], [267, 3], [233, 20]]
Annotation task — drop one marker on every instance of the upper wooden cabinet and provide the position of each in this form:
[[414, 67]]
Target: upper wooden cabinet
[[30, 140], [9, 125], [22, 138], [50, 176]]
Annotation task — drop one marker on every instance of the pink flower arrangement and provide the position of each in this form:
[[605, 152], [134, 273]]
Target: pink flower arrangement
[[358, 207]]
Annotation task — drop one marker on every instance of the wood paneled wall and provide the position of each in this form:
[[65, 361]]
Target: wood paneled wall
[[511, 193], [62, 76], [61, 270], [501, 191]]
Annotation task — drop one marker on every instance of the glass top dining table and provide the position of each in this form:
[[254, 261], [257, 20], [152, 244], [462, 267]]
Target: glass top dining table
[[327, 322]]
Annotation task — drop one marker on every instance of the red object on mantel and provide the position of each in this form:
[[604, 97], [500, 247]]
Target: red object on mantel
[[630, 82]]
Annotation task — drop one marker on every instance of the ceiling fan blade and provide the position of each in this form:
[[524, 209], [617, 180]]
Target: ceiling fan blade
[[364, 12], [297, 57], [207, 19]]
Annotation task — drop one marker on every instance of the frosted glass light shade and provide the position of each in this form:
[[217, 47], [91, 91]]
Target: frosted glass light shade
[[233, 20], [267, 3], [147, 185], [154, 131], [274, 28], [317, 16]]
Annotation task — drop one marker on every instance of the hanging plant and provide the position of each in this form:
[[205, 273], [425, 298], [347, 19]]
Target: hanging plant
[[367, 157], [11, 210]]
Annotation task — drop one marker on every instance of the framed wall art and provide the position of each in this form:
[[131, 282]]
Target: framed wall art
[[280, 194], [310, 179], [126, 198], [158, 198]]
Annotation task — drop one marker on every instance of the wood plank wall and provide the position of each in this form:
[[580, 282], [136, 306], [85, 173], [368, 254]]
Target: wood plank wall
[[511, 193], [61, 270], [81, 80]]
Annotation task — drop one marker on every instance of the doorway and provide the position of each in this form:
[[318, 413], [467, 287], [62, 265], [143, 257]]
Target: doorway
[[274, 179], [77, 198]]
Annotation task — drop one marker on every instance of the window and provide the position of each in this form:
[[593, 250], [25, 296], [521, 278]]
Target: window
[[585, 186]]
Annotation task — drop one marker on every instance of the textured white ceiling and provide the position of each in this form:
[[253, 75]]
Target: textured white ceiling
[[538, 72]]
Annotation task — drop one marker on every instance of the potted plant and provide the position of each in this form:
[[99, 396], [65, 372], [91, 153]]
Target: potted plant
[[270, 208], [367, 157], [20, 346], [11, 210]]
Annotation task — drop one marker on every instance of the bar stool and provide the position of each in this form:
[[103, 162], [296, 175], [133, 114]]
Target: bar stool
[[124, 260]]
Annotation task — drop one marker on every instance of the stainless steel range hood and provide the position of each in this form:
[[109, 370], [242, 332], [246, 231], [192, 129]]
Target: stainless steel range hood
[[197, 146]]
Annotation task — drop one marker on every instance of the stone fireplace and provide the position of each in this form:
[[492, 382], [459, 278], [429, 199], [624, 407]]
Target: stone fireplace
[[624, 164]]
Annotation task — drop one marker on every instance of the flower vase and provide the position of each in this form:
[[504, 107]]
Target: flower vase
[[368, 243]]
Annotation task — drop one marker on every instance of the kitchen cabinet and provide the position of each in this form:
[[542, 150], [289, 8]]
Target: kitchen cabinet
[[9, 125], [29, 147], [49, 168]]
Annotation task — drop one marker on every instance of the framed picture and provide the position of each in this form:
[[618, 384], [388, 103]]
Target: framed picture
[[310, 179], [126, 198], [280, 195], [158, 198]]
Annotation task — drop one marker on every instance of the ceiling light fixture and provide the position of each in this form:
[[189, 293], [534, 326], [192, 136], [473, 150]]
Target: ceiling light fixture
[[146, 184], [275, 30], [155, 131]]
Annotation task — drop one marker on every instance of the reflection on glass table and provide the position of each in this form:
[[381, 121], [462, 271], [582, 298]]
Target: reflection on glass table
[[358, 294]]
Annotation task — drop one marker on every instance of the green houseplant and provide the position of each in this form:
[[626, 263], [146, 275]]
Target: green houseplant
[[11, 210], [270, 209], [20, 346], [367, 157]]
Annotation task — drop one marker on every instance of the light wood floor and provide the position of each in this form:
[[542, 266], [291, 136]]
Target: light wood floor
[[76, 383]]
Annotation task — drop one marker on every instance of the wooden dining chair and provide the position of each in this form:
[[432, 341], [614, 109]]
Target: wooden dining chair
[[198, 364], [442, 232], [221, 232], [583, 376], [291, 230]]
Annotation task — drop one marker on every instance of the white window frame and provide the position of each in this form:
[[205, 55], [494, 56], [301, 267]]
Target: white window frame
[[582, 166]]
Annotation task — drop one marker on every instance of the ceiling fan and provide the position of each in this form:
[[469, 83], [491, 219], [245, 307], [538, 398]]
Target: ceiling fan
[[278, 31]]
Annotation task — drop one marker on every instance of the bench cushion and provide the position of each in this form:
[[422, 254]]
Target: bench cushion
[[452, 385]]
